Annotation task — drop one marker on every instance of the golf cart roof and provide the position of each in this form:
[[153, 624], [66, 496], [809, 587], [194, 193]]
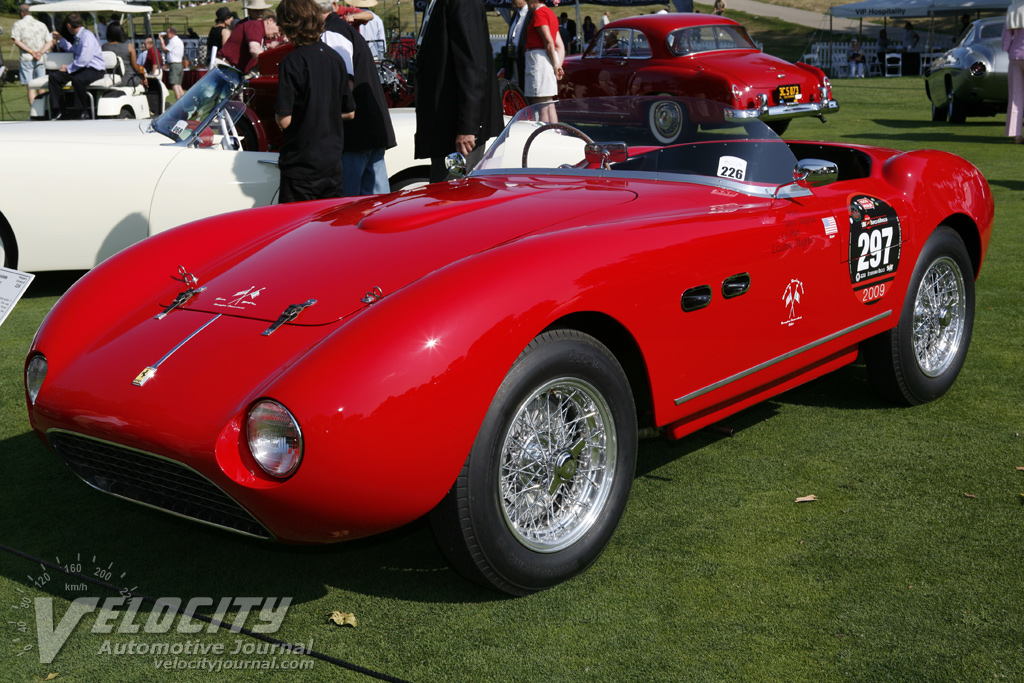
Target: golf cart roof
[[93, 6]]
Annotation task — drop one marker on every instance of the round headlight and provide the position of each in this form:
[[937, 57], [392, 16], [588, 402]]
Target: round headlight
[[978, 69], [35, 373], [275, 439]]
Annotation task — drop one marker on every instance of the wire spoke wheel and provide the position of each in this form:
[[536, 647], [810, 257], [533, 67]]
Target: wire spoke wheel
[[919, 359], [548, 477], [557, 464], [939, 317]]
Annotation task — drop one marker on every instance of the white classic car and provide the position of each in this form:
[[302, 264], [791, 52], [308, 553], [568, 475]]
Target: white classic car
[[77, 192]]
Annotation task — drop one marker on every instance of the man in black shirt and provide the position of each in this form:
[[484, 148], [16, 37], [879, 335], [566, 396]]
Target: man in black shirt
[[312, 99], [370, 133]]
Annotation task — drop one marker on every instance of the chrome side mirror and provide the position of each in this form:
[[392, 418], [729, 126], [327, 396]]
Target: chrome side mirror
[[605, 153], [815, 173], [456, 164]]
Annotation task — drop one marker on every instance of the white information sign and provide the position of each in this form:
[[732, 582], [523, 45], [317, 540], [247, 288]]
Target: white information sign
[[13, 283]]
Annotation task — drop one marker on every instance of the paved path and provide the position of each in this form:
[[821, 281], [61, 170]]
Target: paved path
[[801, 17]]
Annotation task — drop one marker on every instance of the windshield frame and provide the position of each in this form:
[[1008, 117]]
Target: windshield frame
[[186, 120]]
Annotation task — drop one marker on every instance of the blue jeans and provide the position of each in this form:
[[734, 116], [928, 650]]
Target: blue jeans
[[364, 173]]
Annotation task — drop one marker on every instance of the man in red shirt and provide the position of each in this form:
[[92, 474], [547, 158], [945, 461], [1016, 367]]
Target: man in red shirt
[[246, 43]]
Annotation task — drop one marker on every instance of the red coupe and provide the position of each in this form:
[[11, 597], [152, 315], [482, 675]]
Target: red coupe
[[696, 55], [486, 350]]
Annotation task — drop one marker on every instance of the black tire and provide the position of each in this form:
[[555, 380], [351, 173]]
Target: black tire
[[126, 113], [957, 109], [247, 134], [779, 127], [8, 245], [940, 114], [668, 121], [541, 493], [939, 310]]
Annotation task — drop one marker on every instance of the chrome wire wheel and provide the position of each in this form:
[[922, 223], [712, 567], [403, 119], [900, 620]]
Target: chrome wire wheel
[[557, 465], [939, 316]]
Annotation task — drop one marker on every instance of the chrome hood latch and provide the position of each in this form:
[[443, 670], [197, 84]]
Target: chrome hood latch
[[290, 314]]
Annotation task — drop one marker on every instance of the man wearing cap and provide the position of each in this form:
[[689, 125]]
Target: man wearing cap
[[457, 103], [371, 28], [219, 34], [245, 44]]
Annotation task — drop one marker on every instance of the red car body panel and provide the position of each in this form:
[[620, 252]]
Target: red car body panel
[[713, 75], [390, 392]]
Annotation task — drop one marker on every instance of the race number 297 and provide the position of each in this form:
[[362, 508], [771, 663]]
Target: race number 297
[[875, 240]]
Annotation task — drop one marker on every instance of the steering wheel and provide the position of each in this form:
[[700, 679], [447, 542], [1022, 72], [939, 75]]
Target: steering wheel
[[575, 132]]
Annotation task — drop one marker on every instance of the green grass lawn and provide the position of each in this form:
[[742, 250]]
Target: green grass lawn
[[906, 569]]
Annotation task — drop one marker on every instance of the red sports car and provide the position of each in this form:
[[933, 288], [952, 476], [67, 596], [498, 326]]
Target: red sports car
[[487, 349], [696, 55]]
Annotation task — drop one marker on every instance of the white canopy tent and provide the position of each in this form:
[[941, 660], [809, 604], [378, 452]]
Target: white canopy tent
[[916, 9]]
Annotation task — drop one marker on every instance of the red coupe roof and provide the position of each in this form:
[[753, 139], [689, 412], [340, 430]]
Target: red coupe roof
[[663, 23]]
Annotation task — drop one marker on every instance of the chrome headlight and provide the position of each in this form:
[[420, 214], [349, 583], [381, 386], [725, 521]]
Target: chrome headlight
[[275, 439], [978, 69], [35, 373]]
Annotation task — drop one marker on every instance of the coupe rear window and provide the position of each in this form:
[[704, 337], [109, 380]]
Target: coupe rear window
[[688, 41]]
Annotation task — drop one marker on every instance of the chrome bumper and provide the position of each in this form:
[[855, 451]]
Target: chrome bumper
[[781, 112]]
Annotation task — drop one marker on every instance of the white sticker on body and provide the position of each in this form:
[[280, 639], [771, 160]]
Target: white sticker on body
[[732, 167]]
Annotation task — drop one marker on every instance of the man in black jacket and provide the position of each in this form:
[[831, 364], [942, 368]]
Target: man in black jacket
[[370, 133], [457, 103], [514, 54]]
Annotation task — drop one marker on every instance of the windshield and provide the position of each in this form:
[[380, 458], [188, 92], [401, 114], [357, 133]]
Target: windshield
[[688, 41], [665, 136], [189, 116]]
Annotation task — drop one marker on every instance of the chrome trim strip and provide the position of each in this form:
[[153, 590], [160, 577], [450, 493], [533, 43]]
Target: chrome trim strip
[[148, 372], [767, 192], [779, 359], [269, 535]]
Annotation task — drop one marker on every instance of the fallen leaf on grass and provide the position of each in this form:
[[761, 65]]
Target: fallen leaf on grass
[[806, 499], [343, 619], [1020, 469], [969, 495], [50, 677]]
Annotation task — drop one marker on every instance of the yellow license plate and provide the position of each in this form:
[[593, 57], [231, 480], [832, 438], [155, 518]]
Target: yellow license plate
[[787, 93]]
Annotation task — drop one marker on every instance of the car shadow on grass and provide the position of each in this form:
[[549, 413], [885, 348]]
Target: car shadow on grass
[[47, 512], [844, 389]]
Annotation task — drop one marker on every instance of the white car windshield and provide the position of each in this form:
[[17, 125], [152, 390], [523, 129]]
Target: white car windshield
[[191, 115]]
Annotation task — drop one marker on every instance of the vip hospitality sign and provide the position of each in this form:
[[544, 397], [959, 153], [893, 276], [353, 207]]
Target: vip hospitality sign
[[173, 621]]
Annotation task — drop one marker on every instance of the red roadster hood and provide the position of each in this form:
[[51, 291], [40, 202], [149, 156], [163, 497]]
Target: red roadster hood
[[758, 70], [386, 242]]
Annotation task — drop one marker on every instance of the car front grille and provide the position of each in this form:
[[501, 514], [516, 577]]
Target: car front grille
[[152, 480]]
